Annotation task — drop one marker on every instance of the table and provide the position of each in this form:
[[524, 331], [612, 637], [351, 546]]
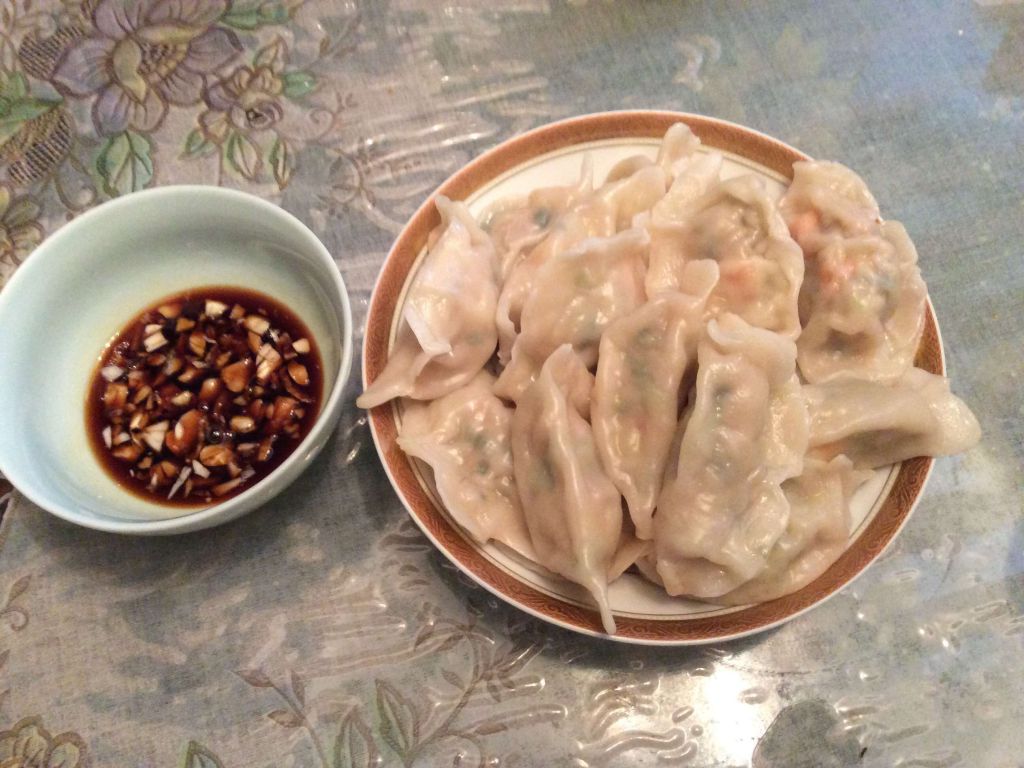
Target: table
[[323, 630]]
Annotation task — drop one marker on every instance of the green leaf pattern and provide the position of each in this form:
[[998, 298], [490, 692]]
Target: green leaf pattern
[[18, 107], [252, 16], [197, 145], [124, 163], [298, 84], [243, 156], [281, 162]]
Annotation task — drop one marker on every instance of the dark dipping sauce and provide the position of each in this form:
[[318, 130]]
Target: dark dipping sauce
[[202, 395]]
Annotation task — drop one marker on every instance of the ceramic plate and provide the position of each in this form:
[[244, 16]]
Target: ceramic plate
[[644, 613]]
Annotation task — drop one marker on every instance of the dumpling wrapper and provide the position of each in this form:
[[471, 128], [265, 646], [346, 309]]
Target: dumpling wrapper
[[722, 507], [572, 510], [678, 147], [735, 223], [447, 330], [665, 222], [695, 176], [629, 551], [607, 210], [465, 438], [817, 533], [877, 424], [827, 201], [577, 294], [863, 300], [518, 225], [644, 359]]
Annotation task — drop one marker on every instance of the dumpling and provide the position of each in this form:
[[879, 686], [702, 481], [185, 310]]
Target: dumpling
[[826, 201], [447, 330], [862, 307], [517, 225], [816, 535], [877, 424], [678, 146], [722, 507], [604, 212], [576, 295], [464, 437], [863, 299], [736, 224], [644, 357], [572, 510], [627, 167], [665, 223], [629, 551], [695, 176]]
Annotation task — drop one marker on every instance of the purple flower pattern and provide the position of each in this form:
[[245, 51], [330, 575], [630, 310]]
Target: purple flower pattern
[[249, 99], [143, 56]]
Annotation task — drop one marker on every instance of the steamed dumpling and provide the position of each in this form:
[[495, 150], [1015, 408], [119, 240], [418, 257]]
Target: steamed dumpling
[[722, 508], [736, 224], [644, 358], [862, 306], [877, 424], [572, 510], [826, 201], [464, 437], [693, 173], [602, 213], [863, 299], [695, 176], [576, 295], [518, 225], [447, 329], [816, 535], [666, 222], [678, 147]]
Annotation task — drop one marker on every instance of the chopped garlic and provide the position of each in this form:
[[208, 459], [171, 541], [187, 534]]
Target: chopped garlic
[[215, 308], [154, 435], [154, 342], [111, 372]]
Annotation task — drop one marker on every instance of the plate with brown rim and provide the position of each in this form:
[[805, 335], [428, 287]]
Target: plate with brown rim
[[644, 614]]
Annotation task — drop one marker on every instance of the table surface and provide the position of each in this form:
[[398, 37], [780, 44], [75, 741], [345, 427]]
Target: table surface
[[323, 630]]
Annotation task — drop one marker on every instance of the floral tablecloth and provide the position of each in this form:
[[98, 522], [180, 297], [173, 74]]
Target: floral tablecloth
[[323, 630]]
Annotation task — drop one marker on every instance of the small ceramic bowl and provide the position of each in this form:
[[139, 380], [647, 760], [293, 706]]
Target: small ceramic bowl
[[83, 284]]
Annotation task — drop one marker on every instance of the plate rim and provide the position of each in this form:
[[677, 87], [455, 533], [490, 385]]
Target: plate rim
[[748, 143]]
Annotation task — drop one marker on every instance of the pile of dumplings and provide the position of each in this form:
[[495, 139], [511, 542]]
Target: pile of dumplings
[[669, 371]]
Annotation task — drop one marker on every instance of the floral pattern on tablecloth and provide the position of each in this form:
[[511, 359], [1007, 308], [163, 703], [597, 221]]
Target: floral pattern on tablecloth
[[105, 98], [324, 630]]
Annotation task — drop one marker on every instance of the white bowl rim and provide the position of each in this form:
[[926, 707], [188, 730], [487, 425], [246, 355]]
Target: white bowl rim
[[228, 509]]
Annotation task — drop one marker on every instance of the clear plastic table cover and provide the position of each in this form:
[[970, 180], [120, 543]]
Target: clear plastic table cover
[[323, 630]]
